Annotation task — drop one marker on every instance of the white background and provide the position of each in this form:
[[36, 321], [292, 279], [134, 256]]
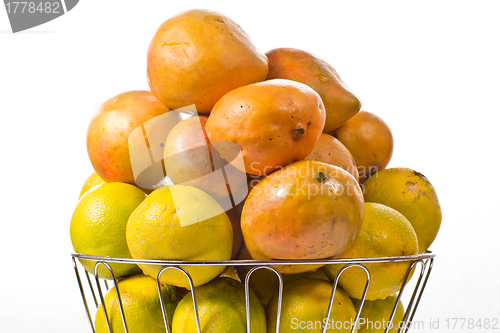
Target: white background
[[430, 69]]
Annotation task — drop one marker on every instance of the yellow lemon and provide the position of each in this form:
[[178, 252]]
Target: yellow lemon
[[384, 233], [92, 181], [411, 194], [221, 308], [304, 307], [98, 225], [141, 306], [375, 315], [180, 223]]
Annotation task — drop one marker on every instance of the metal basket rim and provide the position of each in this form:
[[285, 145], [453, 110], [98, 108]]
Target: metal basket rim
[[232, 262]]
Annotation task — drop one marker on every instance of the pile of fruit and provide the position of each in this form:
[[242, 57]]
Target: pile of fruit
[[236, 154]]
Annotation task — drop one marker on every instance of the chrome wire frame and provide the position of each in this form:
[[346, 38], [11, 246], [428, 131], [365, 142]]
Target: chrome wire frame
[[425, 261]]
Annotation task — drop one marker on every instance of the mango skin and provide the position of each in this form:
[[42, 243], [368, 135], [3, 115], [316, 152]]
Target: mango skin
[[188, 154], [274, 123], [370, 141], [294, 64], [330, 150], [189, 157], [109, 130], [197, 56], [293, 214]]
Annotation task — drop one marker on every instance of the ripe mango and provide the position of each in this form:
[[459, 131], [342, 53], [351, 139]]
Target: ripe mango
[[197, 56], [274, 123], [293, 64]]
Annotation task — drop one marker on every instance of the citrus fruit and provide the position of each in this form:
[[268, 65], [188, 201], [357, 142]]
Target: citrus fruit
[[330, 150], [93, 180], [180, 223], [384, 233], [274, 123], [141, 306], [197, 56], [221, 308], [98, 226], [305, 305], [115, 135], [410, 193], [375, 315], [369, 140], [307, 210], [293, 64]]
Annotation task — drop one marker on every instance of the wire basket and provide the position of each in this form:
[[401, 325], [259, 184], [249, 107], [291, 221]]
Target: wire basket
[[425, 261]]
